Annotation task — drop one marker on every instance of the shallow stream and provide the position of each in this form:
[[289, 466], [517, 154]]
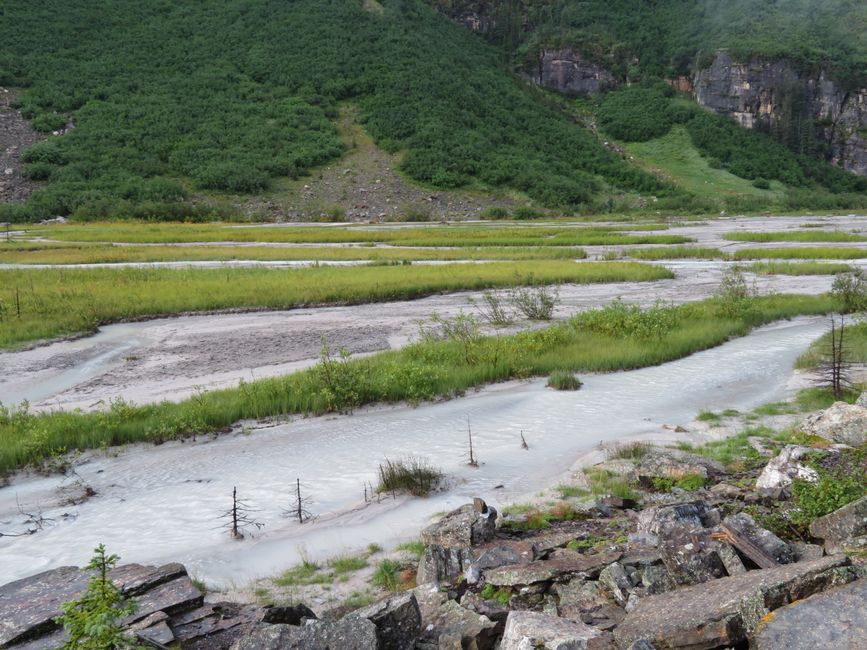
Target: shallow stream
[[157, 504]]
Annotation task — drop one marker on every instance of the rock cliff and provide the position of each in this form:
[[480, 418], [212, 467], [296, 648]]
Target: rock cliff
[[777, 95], [567, 71]]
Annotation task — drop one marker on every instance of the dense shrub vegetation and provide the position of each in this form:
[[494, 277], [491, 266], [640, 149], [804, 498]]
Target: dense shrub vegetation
[[171, 96], [659, 38], [648, 111]]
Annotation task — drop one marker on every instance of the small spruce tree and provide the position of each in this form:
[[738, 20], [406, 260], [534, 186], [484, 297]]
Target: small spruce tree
[[93, 621]]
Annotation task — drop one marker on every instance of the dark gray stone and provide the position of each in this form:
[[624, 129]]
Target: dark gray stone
[[462, 528], [397, 620], [545, 632], [768, 543], [345, 634], [836, 618], [291, 615], [567, 71], [561, 568], [723, 612], [844, 529], [442, 564]]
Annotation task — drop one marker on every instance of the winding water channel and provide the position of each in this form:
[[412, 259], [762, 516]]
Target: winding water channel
[[161, 503]]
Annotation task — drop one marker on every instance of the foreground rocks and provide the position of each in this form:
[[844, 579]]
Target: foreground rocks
[[661, 568], [833, 619], [841, 422], [724, 612]]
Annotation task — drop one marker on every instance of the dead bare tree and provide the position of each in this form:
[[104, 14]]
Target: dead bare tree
[[298, 509], [473, 461], [524, 444], [239, 517], [834, 365]]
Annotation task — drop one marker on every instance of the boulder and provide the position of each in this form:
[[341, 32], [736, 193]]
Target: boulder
[[755, 542], [462, 527], [657, 580], [288, 615], [784, 468], [840, 422], [563, 566], [615, 580], [493, 609], [397, 620], [692, 514], [675, 464], [802, 551], [446, 624], [500, 553], [691, 556], [346, 634], [724, 612], [526, 630], [581, 596], [439, 563], [29, 606], [845, 528], [833, 619]]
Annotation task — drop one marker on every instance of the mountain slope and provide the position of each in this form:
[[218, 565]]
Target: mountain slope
[[225, 95]]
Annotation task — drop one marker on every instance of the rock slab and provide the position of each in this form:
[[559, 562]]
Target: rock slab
[[836, 619], [525, 630], [723, 612]]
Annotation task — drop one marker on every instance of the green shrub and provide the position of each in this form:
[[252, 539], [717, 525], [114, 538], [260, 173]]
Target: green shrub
[[411, 475], [762, 184], [564, 380], [94, 621], [494, 212], [385, 575], [691, 482], [525, 212]]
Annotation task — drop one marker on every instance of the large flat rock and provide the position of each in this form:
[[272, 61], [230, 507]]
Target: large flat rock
[[723, 612], [565, 564], [835, 619]]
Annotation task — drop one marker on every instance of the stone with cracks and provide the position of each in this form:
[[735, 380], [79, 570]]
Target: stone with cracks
[[676, 464], [614, 578], [694, 514], [747, 530], [833, 619], [840, 422], [843, 529], [532, 630], [462, 528], [397, 620], [439, 563], [346, 634], [691, 556], [724, 612], [558, 569], [784, 468], [445, 624]]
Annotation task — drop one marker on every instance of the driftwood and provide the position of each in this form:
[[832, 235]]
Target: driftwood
[[746, 546]]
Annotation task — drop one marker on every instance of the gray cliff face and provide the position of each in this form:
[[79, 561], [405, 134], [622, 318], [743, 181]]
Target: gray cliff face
[[566, 71], [761, 90]]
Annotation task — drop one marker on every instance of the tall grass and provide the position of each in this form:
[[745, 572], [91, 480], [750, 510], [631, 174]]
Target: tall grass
[[817, 253], [854, 348], [422, 371], [677, 252], [468, 235], [31, 253], [796, 235], [798, 268], [54, 302]]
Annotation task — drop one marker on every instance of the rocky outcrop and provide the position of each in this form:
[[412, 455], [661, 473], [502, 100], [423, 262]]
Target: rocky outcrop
[[723, 612], [767, 91], [843, 529], [841, 422], [567, 71], [534, 630], [785, 468], [833, 619]]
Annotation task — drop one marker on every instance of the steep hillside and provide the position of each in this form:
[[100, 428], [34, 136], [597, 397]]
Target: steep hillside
[[168, 97]]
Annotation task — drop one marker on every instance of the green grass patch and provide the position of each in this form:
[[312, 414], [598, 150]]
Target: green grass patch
[[306, 573], [796, 235], [676, 159], [448, 236], [566, 491], [603, 483], [630, 450], [15, 253], [564, 380], [59, 302], [677, 253], [594, 341], [347, 564], [798, 268], [415, 548], [386, 575], [813, 253], [855, 347], [490, 592], [411, 476]]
